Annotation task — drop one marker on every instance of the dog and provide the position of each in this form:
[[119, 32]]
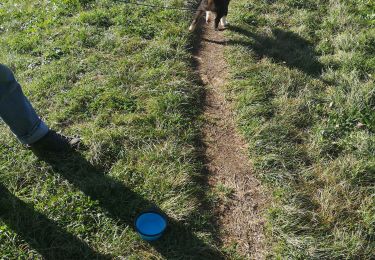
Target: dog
[[220, 7]]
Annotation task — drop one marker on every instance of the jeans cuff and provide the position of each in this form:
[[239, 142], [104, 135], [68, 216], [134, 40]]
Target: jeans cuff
[[38, 132]]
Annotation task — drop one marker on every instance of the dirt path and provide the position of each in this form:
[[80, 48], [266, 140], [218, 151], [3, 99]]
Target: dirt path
[[238, 217]]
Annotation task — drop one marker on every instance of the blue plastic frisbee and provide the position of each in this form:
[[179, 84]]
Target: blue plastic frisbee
[[151, 225]]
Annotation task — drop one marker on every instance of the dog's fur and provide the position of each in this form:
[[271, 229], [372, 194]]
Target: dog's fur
[[220, 7]]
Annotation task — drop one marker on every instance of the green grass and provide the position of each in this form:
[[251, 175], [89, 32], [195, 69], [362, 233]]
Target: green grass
[[119, 76], [302, 80]]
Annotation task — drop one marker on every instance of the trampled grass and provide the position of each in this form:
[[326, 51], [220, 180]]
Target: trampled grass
[[303, 85], [120, 77]]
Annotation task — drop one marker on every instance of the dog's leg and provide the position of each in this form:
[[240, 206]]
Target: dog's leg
[[208, 16], [223, 21], [218, 17], [197, 16]]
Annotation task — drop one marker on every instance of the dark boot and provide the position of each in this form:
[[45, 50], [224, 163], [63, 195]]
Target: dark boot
[[54, 142]]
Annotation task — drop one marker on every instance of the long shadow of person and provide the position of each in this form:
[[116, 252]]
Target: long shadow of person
[[41, 233], [282, 46], [123, 204]]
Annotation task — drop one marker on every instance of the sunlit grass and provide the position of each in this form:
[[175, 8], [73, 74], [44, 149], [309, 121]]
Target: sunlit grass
[[119, 76], [303, 85]]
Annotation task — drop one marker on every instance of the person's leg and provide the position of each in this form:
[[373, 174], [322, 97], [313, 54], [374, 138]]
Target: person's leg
[[17, 112], [19, 115]]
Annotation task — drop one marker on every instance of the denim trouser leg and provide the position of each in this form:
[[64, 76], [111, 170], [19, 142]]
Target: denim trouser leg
[[17, 112]]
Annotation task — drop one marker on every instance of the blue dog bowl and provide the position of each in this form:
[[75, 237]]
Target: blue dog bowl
[[151, 225]]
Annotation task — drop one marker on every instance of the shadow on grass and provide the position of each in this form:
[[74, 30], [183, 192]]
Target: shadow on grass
[[123, 204], [283, 46], [41, 233], [119, 201]]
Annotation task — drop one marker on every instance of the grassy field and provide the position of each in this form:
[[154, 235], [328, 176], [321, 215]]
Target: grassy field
[[302, 80], [119, 76]]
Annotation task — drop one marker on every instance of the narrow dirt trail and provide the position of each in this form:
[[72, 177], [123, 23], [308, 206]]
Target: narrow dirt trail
[[238, 216]]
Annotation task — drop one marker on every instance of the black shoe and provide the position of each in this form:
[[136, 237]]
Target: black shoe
[[54, 142]]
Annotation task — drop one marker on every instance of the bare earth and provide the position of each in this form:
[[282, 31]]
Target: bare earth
[[239, 216]]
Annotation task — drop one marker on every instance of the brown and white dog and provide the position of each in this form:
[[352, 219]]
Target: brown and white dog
[[220, 7]]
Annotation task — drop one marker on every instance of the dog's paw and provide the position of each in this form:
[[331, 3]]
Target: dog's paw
[[226, 26]]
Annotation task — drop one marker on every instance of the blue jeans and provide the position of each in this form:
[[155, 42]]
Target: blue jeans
[[17, 112]]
